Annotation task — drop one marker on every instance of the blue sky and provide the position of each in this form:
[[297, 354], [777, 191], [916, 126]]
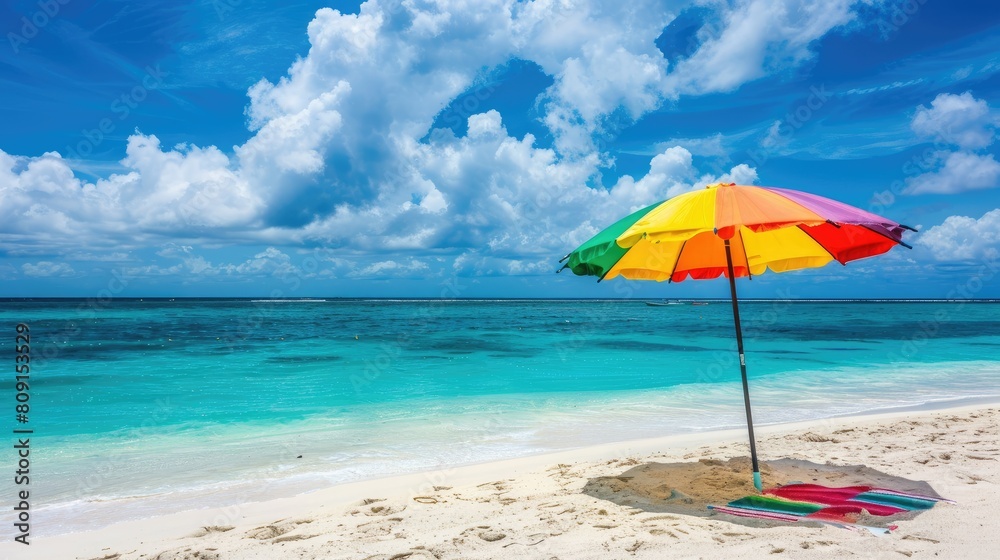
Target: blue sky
[[250, 148]]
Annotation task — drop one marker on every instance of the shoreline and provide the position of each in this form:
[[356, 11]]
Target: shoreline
[[163, 529], [222, 493]]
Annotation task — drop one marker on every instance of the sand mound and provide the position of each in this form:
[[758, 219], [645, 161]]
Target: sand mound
[[689, 488]]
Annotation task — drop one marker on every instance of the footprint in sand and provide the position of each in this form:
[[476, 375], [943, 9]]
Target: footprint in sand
[[485, 532], [274, 530], [382, 511], [807, 545], [372, 507], [427, 500], [187, 554], [205, 531], [658, 532], [380, 527], [269, 531], [415, 554], [491, 536], [290, 538], [816, 438]]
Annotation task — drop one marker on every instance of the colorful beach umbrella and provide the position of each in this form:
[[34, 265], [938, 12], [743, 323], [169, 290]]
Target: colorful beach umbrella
[[735, 231]]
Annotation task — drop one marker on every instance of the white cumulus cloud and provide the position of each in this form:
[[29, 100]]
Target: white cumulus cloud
[[342, 152], [961, 120], [965, 122], [961, 171], [962, 238]]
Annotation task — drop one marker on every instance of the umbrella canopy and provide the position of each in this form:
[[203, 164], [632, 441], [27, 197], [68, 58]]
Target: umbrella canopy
[[734, 230], [767, 228]]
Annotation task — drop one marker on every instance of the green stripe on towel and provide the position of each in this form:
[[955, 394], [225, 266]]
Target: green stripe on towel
[[777, 505]]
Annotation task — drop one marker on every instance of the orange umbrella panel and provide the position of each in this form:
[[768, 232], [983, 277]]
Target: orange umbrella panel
[[767, 228]]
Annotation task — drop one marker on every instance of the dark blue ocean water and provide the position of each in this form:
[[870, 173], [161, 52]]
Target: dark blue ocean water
[[127, 395]]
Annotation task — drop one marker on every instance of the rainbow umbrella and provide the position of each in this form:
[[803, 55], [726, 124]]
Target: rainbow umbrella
[[734, 230]]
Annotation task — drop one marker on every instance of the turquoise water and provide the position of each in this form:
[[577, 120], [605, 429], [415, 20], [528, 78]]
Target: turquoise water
[[192, 403]]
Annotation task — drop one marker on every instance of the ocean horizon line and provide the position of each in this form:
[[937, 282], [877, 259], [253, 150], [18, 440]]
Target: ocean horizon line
[[329, 299]]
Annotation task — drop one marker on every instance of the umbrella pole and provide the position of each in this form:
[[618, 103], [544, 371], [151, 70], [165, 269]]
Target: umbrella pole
[[743, 368]]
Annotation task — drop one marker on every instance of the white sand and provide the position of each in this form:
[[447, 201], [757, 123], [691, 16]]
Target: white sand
[[534, 507]]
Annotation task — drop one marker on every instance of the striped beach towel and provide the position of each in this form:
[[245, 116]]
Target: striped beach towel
[[838, 506]]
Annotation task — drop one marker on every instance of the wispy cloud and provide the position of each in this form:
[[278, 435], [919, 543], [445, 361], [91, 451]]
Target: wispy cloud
[[752, 39], [886, 87], [44, 269]]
